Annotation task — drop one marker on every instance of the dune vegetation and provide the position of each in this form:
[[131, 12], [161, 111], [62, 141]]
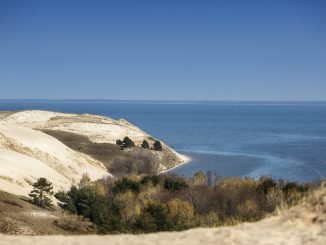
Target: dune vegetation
[[172, 203]]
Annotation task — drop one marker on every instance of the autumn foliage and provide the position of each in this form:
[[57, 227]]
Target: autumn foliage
[[172, 203]]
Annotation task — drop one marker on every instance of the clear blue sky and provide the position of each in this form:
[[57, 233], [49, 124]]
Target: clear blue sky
[[163, 50]]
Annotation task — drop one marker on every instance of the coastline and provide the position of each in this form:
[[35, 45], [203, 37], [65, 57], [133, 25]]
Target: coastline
[[185, 159]]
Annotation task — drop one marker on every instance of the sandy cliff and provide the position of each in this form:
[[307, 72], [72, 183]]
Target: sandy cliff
[[27, 153]]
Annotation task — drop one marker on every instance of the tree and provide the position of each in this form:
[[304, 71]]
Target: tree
[[182, 214], [127, 142], [145, 144], [124, 185], [41, 193], [154, 217], [175, 183], [265, 185], [200, 178], [154, 179], [66, 201], [157, 146], [84, 181], [135, 162]]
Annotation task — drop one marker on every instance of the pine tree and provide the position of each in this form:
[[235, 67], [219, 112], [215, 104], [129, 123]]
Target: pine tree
[[42, 190], [157, 146], [145, 144], [127, 142]]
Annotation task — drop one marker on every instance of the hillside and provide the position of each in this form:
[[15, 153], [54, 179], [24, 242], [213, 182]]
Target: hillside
[[62, 147], [302, 224]]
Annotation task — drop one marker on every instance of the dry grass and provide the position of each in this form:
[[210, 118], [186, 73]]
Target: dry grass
[[18, 216]]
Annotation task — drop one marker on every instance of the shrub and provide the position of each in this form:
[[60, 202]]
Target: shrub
[[135, 162], [273, 199], [293, 187], [121, 166], [154, 179], [127, 205], [265, 184], [153, 218], [181, 213], [248, 211], [84, 181], [127, 142], [65, 201], [125, 185], [145, 144], [200, 178], [77, 224], [157, 146], [175, 184]]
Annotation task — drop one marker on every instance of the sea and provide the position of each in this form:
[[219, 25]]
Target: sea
[[284, 140]]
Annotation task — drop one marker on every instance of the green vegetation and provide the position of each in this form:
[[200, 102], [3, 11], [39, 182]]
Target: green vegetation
[[125, 143], [168, 203], [175, 184], [128, 143], [157, 146], [124, 185], [145, 144], [41, 193]]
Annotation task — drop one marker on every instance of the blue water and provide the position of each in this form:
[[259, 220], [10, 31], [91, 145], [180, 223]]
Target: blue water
[[281, 140]]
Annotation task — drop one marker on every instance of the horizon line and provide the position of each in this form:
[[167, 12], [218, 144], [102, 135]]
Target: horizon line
[[163, 100]]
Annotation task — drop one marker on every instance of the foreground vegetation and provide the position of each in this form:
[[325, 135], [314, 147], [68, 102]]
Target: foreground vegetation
[[172, 203]]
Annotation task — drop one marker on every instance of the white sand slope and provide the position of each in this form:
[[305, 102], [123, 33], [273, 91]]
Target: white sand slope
[[27, 154], [98, 129]]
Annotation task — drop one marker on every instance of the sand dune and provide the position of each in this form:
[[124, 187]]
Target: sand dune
[[26, 153], [97, 128]]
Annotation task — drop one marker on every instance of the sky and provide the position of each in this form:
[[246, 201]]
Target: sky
[[163, 49]]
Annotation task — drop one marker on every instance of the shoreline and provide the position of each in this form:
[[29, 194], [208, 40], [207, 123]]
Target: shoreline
[[185, 159]]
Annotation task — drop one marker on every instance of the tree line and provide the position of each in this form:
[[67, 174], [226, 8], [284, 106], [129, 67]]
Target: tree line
[[154, 203], [128, 143]]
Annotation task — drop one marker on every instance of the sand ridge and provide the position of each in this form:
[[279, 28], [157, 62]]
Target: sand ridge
[[27, 153]]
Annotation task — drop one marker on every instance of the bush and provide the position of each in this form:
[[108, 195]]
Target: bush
[[153, 218], [181, 213], [155, 203], [77, 224], [127, 142], [154, 179], [145, 144], [125, 185], [175, 184], [293, 187], [65, 201], [265, 185], [200, 178], [135, 162], [157, 146]]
